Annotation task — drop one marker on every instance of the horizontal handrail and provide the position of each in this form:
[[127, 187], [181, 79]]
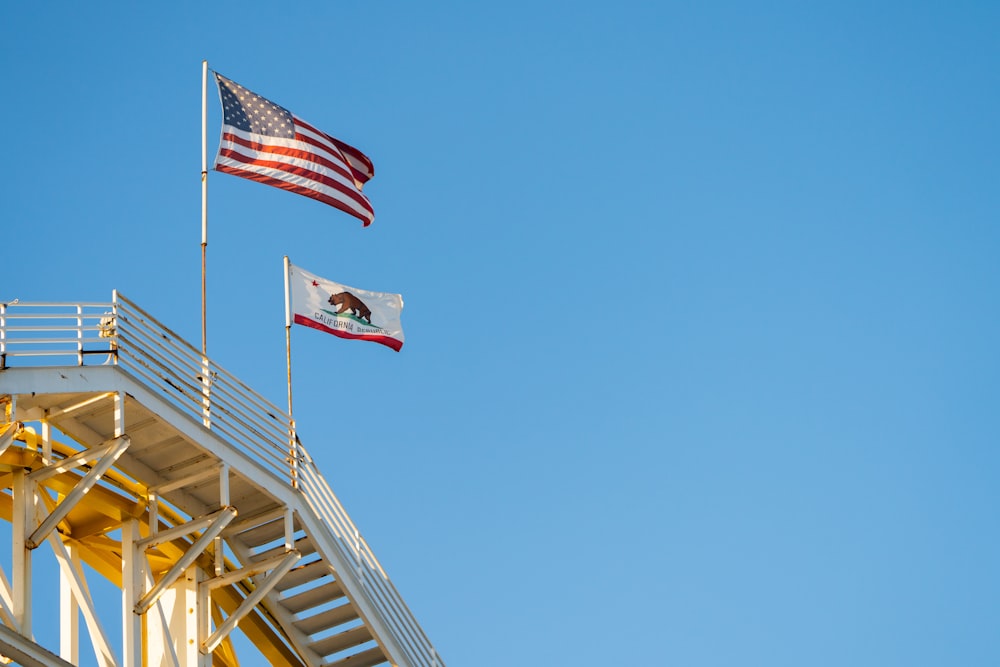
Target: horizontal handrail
[[122, 334]]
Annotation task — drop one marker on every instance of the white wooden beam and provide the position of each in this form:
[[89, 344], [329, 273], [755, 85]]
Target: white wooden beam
[[78, 583], [69, 615], [109, 452], [27, 652], [23, 518], [133, 580], [263, 588], [7, 437], [6, 602], [218, 521]]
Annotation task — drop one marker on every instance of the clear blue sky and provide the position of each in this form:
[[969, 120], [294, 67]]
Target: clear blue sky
[[701, 300]]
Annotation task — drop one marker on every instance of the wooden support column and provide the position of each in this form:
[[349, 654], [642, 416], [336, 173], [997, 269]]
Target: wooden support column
[[23, 525], [133, 580], [69, 615]]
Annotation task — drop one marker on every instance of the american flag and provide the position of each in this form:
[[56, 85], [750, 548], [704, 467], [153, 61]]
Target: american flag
[[268, 144]]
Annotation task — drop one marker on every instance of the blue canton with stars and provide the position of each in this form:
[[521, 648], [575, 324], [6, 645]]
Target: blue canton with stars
[[248, 111]]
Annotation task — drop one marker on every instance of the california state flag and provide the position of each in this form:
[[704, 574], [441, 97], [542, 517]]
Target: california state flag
[[346, 312]]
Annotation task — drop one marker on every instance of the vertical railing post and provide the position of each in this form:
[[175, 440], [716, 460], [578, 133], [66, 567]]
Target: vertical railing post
[[3, 336], [114, 328], [357, 557], [79, 335], [206, 393], [293, 455]]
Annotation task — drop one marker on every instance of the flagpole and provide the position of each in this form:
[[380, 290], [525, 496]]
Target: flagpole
[[288, 335], [204, 204], [206, 372], [293, 449]]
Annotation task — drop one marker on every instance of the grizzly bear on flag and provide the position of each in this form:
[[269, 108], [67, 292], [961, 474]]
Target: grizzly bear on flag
[[349, 302]]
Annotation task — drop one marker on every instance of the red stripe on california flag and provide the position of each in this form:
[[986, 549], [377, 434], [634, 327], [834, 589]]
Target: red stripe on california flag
[[388, 341]]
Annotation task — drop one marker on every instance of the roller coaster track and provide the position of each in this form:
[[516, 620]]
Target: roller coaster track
[[127, 453]]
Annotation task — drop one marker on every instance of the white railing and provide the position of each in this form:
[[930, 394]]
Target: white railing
[[369, 572], [120, 333]]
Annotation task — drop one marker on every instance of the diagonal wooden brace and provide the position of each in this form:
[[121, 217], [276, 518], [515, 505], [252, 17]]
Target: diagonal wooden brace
[[107, 454], [26, 652], [6, 602], [12, 431], [71, 567], [263, 588], [217, 521]]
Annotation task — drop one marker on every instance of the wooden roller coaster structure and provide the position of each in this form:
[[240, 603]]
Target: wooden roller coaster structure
[[129, 454]]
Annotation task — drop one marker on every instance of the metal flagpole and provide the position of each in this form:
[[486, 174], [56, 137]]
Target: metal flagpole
[[206, 374], [204, 201], [288, 334], [293, 448]]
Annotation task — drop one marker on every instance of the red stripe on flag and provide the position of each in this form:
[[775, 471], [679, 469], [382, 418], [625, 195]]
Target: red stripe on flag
[[300, 190], [338, 166], [360, 163], [303, 172], [383, 340]]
